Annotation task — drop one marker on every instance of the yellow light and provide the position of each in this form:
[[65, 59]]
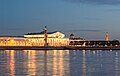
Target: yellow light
[[84, 44], [11, 42]]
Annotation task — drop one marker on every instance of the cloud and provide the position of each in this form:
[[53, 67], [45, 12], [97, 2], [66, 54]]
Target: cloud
[[101, 2]]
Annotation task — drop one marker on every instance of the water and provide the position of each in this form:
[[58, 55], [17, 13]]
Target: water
[[59, 63]]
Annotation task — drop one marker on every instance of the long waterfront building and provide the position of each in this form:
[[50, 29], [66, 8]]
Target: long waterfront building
[[36, 39]]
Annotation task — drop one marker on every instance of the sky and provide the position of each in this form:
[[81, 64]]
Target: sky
[[89, 19]]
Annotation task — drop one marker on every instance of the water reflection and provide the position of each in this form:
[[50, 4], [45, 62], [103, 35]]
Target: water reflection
[[55, 63], [94, 63], [43, 63], [31, 64], [84, 64], [117, 65], [11, 62], [59, 63]]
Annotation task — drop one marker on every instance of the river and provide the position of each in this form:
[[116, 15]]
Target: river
[[59, 62]]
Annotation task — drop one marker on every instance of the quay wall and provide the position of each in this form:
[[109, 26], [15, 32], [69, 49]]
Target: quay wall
[[57, 48]]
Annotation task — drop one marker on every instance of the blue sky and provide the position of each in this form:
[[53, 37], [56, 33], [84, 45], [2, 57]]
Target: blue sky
[[89, 19]]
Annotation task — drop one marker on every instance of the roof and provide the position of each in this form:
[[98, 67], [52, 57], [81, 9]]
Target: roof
[[40, 33]]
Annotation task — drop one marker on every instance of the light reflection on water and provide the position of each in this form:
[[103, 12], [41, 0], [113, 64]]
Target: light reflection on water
[[59, 63]]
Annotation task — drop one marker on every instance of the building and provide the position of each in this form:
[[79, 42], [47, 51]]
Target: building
[[35, 39], [53, 39], [43, 38]]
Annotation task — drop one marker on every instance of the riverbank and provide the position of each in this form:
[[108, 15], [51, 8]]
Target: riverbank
[[59, 48]]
